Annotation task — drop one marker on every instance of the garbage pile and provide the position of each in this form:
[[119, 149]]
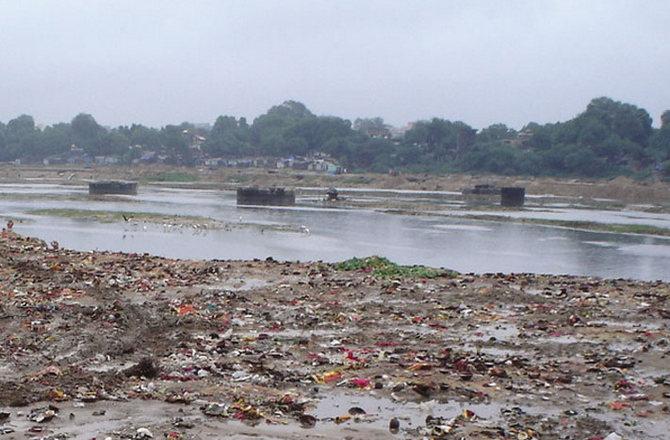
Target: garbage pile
[[309, 346]]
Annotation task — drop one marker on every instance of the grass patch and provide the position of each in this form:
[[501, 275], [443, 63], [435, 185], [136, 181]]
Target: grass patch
[[240, 178], [614, 227], [172, 176], [618, 228], [357, 180], [119, 216], [383, 268]]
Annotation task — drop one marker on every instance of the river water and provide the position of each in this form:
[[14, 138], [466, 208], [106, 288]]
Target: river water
[[338, 234]]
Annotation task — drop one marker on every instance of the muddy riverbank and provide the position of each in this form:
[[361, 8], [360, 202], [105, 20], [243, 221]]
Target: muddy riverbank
[[300, 350]]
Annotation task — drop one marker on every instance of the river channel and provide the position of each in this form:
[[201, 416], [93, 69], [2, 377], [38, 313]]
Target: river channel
[[333, 234]]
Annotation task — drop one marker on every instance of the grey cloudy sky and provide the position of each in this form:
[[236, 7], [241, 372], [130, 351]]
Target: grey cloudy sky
[[482, 62]]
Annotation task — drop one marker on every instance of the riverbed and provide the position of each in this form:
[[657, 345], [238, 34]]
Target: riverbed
[[313, 231]]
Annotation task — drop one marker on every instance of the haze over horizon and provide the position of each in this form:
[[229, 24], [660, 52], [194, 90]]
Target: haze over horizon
[[157, 62]]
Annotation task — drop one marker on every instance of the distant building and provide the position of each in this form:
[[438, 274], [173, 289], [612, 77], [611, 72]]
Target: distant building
[[324, 166], [76, 156], [106, 160], [54, 159], [398, 132], [318, 162], [215, 162], [150, 157]]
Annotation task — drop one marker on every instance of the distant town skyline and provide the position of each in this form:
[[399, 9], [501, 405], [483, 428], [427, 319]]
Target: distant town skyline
[[157, 63]]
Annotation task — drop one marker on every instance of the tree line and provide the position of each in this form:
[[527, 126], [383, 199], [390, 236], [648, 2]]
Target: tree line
[[608, 138]]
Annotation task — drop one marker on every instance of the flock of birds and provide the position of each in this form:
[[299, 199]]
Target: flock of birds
[[196, 228]]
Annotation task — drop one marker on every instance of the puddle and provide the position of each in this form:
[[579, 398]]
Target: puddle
[[83, 425], [304, 333], [104, 367], [534, 292], [563, 340], [240, 284], [6, 372], [417, 329], [77, 422], [642, 326], [498, 352], [636, 427], [626, 347], [411, 415], [501, 332]]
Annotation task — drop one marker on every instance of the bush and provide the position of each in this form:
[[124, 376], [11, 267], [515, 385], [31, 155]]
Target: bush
[[665, 170]]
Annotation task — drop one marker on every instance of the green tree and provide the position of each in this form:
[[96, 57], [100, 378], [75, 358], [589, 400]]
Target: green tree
[[626, 120], [21, 138], [341, 148], [607, 138], [374, 154], [267, 131], [499, 158], [495, 132], [659, 144], [19, 128], [88, 134], [665, 170], [114, 143], [665, 119], [146, 137], [55, 139], [373, 127], [439, 139], [317, 131], [3, 142], [175, 140], [541, 136], [228, 137]]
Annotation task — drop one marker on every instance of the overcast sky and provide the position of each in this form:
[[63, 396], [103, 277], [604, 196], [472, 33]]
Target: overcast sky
[[482, 62]]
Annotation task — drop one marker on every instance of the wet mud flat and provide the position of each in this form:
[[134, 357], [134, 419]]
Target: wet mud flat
[[125, 346]]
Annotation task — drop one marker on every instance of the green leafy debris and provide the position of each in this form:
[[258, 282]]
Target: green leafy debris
[[384, 268]]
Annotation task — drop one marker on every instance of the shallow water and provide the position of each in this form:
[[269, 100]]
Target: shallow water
[[337, 234], [99, 419], [378, 411], [553, 212]]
